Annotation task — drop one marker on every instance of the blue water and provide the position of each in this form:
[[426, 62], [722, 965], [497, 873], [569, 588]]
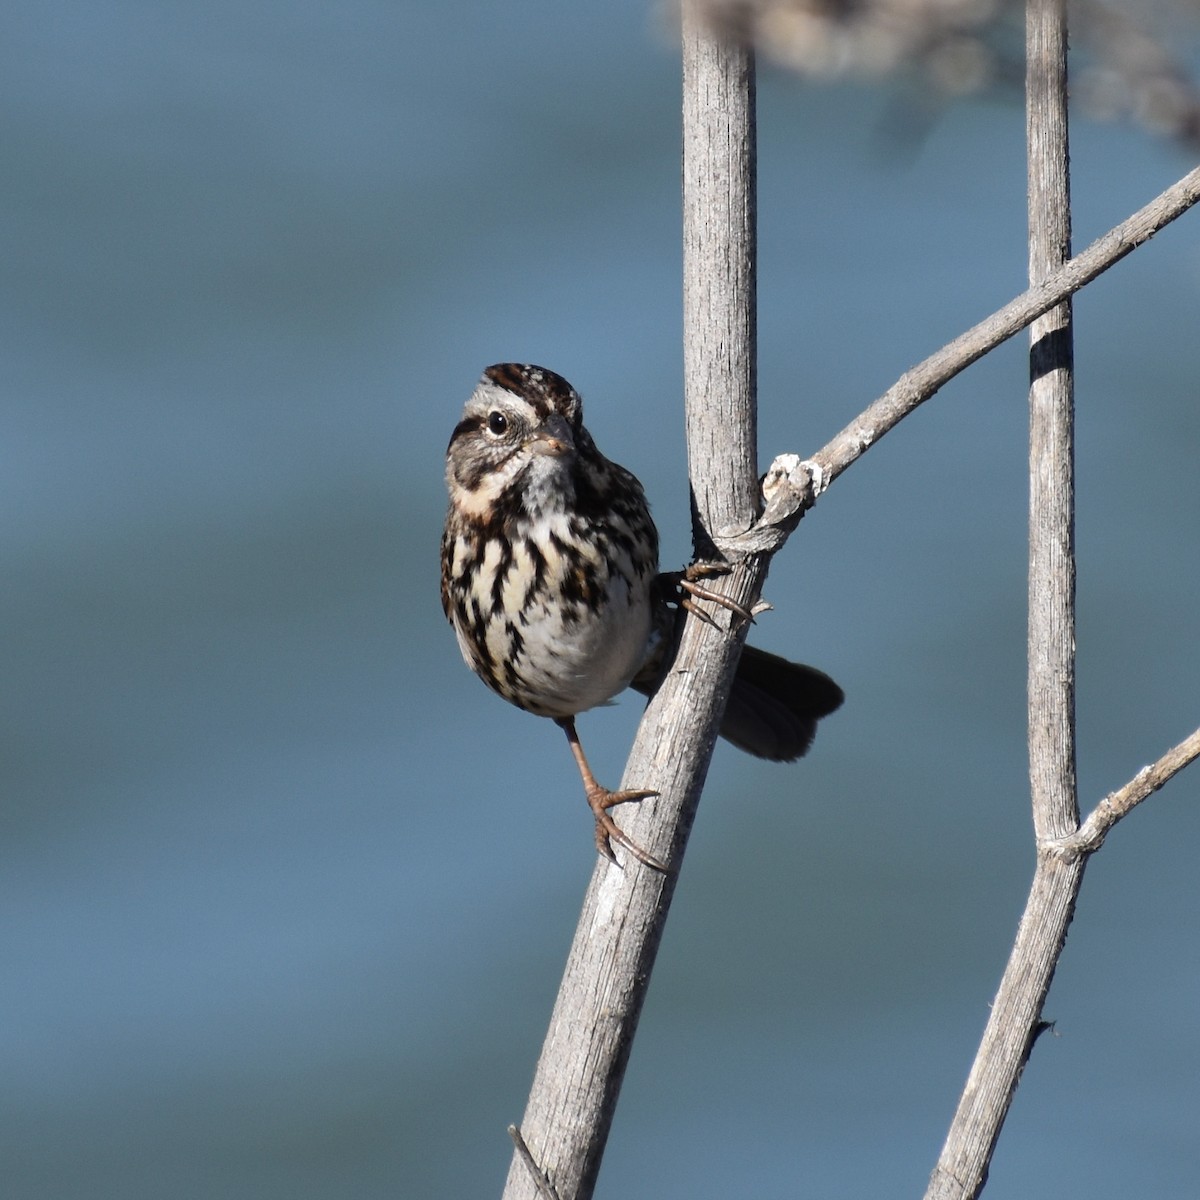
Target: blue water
[[284, 891]]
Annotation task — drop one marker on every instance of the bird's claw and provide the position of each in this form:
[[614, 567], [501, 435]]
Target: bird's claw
[[600, 800], [688, 581]]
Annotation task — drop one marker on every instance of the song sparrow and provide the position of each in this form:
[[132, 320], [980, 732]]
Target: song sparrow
[[550, 580]]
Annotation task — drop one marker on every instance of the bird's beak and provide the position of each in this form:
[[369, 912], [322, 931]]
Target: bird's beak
[[552, 437]]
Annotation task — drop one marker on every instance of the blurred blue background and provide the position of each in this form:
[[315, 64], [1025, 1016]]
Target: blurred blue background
[[285, 891]]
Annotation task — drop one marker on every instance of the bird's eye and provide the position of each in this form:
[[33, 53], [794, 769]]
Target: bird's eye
[[497, 423]]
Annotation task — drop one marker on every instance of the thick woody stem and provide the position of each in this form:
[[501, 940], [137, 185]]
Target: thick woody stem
[[578, 1078]]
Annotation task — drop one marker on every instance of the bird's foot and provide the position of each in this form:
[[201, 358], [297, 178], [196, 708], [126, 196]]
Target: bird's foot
[[687, 585], [600, 800]]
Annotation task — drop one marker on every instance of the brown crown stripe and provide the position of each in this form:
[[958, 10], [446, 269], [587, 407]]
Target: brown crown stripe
[[545, 390]]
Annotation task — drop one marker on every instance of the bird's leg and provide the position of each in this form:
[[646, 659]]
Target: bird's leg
[[600, 800]]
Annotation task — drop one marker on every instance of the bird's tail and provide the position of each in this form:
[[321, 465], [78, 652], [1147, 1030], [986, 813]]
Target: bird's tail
[[774, 705]]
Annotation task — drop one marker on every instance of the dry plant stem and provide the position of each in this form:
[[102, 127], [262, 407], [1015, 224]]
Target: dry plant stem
[[1012, 1026], [1051, 617], [922, 381], [583, 1059], [1051, 683], [719, 315], [963, 1164]]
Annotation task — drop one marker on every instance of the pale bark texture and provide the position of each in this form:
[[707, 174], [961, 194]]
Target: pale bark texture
[[1051, 436], [719, 264]]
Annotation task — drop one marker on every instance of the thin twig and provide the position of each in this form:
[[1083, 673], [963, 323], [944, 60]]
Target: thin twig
[[922, 381], [1089, 837], [799, 483], [541, 1182]]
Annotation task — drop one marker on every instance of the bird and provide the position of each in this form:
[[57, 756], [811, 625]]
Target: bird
[[550, 579]]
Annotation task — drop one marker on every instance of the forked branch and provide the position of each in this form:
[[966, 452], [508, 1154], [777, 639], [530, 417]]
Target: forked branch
[[1089, 837]]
